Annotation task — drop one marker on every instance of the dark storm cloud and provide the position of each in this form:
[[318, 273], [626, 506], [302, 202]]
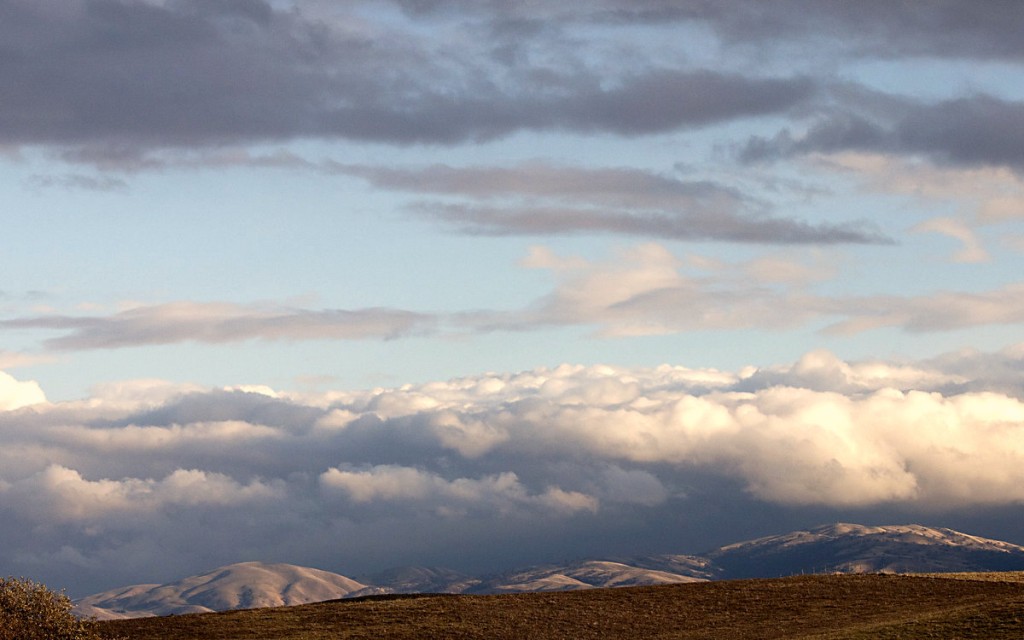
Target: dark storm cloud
[[971, 131], [103, 78], [872, 28], [129, 74], [544, 199], [975, 130]]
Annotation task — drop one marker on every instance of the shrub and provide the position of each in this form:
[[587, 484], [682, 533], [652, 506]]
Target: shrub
[[30, 611]]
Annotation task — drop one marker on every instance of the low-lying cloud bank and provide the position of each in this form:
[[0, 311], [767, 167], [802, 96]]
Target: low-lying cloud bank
[[144, 478]]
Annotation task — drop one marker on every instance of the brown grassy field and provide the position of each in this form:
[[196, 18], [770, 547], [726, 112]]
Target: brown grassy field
[[804, 607]]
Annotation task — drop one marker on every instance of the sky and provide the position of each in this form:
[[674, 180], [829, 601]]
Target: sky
[[480, 284]]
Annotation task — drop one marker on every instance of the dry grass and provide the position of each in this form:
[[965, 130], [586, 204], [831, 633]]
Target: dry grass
[[805, 607], [991, 576]]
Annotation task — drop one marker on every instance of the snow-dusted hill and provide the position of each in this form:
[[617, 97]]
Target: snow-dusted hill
[[685, 565], [419, 580], [239, 586], [847, 548], [854, 548], [589, 574]]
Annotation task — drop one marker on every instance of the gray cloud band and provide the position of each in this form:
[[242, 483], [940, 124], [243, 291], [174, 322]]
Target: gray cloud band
[[82, 72], [977, 131], [544, 199], [872, 28]]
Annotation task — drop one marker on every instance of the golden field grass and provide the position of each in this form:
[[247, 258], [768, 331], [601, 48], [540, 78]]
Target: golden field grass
[[824, 607]]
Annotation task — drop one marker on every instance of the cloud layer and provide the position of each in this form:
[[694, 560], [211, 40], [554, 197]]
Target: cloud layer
[[141, 466], [642, 290]]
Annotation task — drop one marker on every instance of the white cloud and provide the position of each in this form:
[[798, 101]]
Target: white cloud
[[15, 394], [501, 492], [60, 494], [468, 435]]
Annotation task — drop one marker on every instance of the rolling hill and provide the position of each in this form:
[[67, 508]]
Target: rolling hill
[[835, 548]]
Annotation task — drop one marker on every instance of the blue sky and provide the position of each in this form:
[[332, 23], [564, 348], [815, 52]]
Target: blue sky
[[209, 204]]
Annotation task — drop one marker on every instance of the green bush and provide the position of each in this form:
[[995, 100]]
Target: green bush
[[30, 611]]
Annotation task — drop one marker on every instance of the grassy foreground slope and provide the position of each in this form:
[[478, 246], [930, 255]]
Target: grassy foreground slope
[[821, 607]]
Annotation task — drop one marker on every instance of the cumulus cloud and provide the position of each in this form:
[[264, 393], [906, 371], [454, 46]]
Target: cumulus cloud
[[821, 370], [15, 394], [488, 459]]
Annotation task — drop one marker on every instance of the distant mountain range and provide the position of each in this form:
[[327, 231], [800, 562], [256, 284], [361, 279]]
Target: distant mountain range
[[842, 548]]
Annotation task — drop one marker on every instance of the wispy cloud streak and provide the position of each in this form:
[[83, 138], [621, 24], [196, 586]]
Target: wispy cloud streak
[[545, 199], [222, 322]]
